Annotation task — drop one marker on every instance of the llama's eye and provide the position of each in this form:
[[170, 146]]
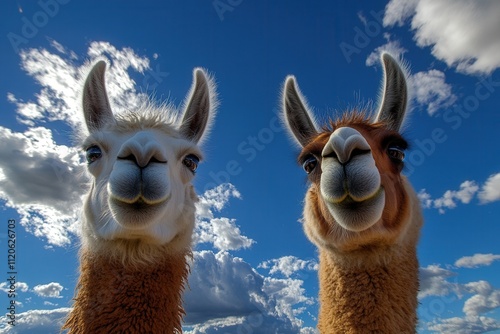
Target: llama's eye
[[93, 153], [396, 153], [309, 164], [191, 162]]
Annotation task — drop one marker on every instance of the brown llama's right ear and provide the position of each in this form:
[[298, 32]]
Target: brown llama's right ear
[[96, 108], [298, 118], [394, 99]]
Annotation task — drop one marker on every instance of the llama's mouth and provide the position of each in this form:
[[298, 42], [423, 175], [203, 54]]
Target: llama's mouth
[[356, 215], [139, 207]]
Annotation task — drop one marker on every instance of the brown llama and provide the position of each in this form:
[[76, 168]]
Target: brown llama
[[360, 211]]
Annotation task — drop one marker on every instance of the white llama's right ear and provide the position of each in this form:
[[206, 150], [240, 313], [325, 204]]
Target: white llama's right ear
[[297, 116], [200, 105], [96, 108], [394, 100]]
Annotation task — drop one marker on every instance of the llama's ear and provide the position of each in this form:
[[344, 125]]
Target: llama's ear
[[395, 96], [199, 108], [96, 108], [296, 113]]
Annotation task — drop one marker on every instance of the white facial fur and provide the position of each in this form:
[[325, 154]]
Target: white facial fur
[[141, 188], [350, 181], [140, 202]]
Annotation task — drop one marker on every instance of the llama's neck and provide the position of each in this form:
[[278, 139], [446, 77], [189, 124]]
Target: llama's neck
[[113, 298], [377, 298]]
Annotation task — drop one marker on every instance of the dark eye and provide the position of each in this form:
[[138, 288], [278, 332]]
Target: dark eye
[[396, 153], [93, 153], [191, 162], [309, 163]]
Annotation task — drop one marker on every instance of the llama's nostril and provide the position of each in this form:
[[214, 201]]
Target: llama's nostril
[[358, 151], [142, 162], [129, 157]]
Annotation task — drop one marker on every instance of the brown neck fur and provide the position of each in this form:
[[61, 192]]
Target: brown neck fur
[[381, 298], [372, 288], [113, 298]]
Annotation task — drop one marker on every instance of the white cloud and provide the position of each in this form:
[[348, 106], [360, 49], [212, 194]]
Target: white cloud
[[486, 298], [468, 325], [42, 181], [490, 191], [61, 78], [450, 198], [399, 11], [215, 198], [222, 233], [36, 322], [477, 260], [425, 199], [20, 286], [226, 294], [287, 265], [434, 282], [462, 33], [50, 290], [392, 47], [430, 89]]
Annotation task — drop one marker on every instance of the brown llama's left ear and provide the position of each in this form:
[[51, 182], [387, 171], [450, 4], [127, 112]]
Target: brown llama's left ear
[[297, 116], [395, 96], [96, 108]]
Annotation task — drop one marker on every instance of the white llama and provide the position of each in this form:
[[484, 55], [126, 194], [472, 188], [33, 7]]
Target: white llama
[[139, 214]]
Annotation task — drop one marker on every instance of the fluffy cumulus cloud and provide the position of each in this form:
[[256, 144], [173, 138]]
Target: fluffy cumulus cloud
[[42, 181], [221, 232], [480, 299], [434, 281], [449, 200], [468, 325], [490, 191], [468, 190], [61, 75], [36, 322], [50, 290], [477, 260], [287, 265], [227, 295], [485, 298], [431, 90], [20, 286], [462, 33]]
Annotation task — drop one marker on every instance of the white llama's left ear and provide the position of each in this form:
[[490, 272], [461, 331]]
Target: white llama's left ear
[[96, 108], [199, 108], [394, 100]]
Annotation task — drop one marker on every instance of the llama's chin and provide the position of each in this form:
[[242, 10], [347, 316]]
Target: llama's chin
[[357, 216]]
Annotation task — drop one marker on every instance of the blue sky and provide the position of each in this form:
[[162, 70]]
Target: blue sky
[[249, 239]]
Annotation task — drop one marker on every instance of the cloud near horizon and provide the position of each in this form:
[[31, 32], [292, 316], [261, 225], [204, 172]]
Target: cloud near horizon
[[486, 193]]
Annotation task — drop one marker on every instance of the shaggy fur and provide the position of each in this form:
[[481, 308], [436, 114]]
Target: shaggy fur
[[112, 298], [372, 289], [368, 264], [139, 213]]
